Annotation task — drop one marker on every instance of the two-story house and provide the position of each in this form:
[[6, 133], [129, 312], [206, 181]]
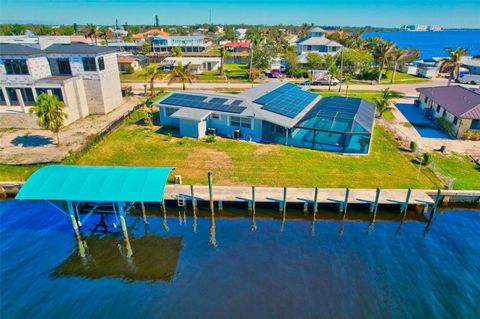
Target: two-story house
[[191, 43], [315, 42], [84, 77]]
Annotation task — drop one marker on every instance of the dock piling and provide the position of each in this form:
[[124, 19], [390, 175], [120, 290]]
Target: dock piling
[[305, 207], [220, 205], [194, 202], [343, 207], [315, 201], [73, 219], [407, 200], [253, 199], [283, 206], [210, 192]]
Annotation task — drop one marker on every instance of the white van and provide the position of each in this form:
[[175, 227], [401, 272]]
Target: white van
[[469, 79]]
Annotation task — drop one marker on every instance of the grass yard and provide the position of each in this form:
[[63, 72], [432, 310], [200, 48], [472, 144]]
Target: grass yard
[[243, 163], [19, 173], [465, 172], [401, 78], [237, 72]]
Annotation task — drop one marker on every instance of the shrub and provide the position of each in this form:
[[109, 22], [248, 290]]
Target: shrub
[[413, 146], [129, 69], [427, 158], [445, 125], [211, 138], [472, 135], [168, 137]]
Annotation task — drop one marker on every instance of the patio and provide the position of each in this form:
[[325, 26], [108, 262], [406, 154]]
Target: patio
[[424, 126]]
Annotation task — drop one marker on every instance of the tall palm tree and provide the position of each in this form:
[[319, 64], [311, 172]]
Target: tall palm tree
[[105, 34], [90, 32], [176, 51], [222, 59], [400, 56], [383, 103], [181, 73], [49, 111], [151, 73], [382, 52], [452, 64]]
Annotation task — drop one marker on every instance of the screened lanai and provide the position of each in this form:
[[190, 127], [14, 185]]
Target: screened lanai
[[337, 124]]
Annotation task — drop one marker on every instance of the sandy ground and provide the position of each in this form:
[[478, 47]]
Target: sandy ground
[[39, 146]]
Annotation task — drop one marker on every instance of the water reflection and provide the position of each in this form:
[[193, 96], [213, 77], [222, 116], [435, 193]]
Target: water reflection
[[213, 234]]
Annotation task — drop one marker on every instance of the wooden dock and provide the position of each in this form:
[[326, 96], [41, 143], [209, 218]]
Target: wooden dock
[[300, 195]]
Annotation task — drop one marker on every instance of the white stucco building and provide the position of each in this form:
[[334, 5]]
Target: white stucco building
[[85, 77]]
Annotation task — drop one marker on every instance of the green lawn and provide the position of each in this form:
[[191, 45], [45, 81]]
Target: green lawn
[[17, 173], [367, 95], [243, 163], [402, 78], [465, 172]]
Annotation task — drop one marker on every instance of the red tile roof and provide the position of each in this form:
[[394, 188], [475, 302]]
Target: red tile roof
[[151, 32], [239, 44], [126, 60]]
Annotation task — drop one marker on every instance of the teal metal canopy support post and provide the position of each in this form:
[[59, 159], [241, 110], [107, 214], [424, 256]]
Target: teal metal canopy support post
[[315, 201], [71, 212], [144, 214], [407, 200], [210, 192]]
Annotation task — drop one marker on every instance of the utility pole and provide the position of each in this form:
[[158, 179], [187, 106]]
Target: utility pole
[[156, 21]]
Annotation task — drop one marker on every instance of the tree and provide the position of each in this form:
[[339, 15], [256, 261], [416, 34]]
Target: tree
[[146, 48], [383, 103], [314, 61], [90, 32], [75, 28], [262, 56], [222, 59], [151, 73], [176, 51], [452, 64], [253, 74], [357, 60], [49, 111], [105, 34], [181, 73], [382, 52]]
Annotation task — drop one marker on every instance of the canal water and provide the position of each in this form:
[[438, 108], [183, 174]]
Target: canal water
[[237, 267]]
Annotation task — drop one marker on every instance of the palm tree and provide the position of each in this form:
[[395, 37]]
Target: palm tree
[[152, 72], [49, 111], [453, 64], [90, 32], [181, 73], [222, 59], [383, 103], [105, 34], [400, 56], [253, 74], [382, 52]]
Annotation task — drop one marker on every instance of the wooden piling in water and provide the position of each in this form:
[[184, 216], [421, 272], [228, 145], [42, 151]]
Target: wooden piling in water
[[220, 205], [253, 199], [345, 202], [210, 192], [407, 200], [144, 214], [375, 204], [284, 203], [437, 200], [194, 202], [315, 201]]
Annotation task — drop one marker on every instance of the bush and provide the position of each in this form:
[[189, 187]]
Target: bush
[[427, 158], [445, 125], [367, 74], [413, 146], [472, 135], [129, 69], [211, 138]]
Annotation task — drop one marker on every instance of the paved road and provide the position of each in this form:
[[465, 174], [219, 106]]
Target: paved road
[[408, 89]]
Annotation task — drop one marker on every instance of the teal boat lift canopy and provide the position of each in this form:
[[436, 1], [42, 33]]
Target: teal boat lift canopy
[[96, 184]]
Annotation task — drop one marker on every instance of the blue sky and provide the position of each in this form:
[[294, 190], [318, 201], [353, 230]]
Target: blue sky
[[458, 13]]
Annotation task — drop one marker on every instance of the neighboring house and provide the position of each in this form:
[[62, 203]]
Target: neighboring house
[[315, 42], [275, 112], [456, 104], [125, 62], [143, 36], [126, 46], [36, 41], [84, 77], [190, 43], [241, 33], [238, 46], [195, 64], [473, 64]]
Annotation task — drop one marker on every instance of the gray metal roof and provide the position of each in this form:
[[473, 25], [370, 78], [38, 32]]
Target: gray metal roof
[[192, 114], [13, 49], [459, 101], [78, 48], [318, 41]]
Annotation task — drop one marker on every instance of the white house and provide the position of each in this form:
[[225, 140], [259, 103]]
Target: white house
[[315, 42], [195, 64], [85, 77]]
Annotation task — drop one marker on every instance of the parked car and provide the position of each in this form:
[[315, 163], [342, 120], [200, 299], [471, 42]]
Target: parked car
[[332, 82], [469, 79]]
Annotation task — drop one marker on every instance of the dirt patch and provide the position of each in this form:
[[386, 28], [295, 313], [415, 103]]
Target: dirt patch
[[263, 149]]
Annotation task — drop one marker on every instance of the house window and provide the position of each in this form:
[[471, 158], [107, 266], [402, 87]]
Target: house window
[[426, 100], [101, 63], [55, 91], [170, 110], [17, 66], [27, 95], [247, 123], [235, 121], [444, 113], [309, 48], [438, 108], [455, 120], [475, 125], [215, 116], [89, 64]]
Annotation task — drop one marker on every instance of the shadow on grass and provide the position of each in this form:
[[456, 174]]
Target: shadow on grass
[[166, 130], [31, 141]]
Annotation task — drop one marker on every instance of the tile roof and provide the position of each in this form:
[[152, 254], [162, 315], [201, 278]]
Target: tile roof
[[150, 32], [126, 60], [239, 44], [456, 99]]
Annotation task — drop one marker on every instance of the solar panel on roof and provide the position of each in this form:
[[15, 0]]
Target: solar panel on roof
[[236, 102], [198, 102], [218, 100]]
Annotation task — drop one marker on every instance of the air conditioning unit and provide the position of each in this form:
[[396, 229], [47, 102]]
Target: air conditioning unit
[[211, 131]]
